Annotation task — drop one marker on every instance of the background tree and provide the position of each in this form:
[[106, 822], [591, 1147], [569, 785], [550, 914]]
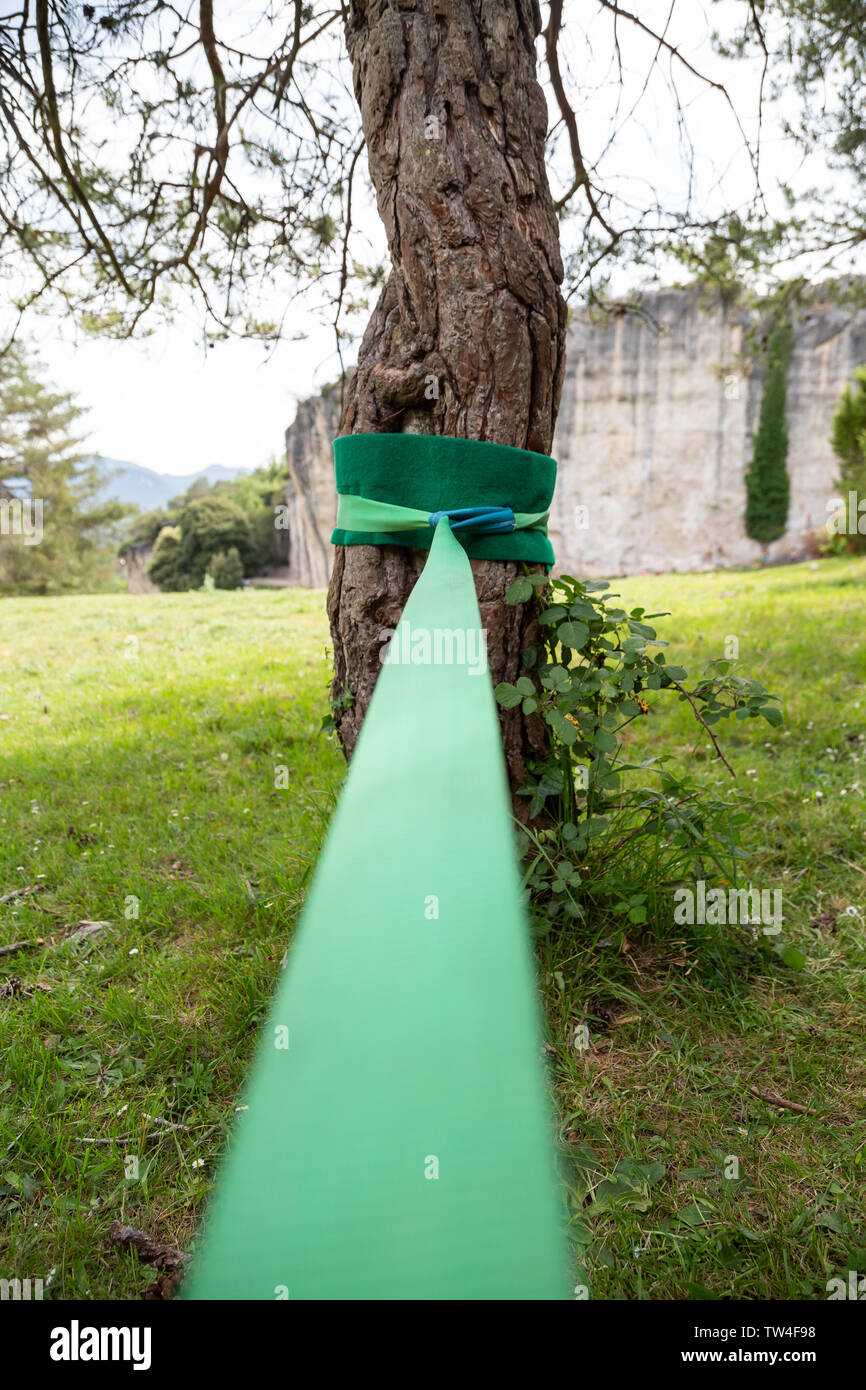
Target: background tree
[[257, 494], [151, 156], [813, 55], [165, 568], [210, 526], [40, 463], [849, 445], [226, 569], [768, 487]]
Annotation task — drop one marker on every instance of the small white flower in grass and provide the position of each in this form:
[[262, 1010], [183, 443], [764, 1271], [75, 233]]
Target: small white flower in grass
[[123, 1109], [743, 1132], [198, 1163], [239, 1108], [811, 724], [134, 951], [852, 912], [751, 772], [224, 757]]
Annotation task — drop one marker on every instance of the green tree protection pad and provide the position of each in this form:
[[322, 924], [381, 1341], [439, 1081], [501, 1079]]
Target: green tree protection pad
[[399, 1146], [435, 474]]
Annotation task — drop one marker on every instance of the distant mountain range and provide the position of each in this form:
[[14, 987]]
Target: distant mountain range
[[129, 482]]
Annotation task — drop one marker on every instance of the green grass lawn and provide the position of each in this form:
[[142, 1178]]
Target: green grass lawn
[[163, 794]]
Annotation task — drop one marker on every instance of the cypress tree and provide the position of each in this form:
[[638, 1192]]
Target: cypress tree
[[768, 487]]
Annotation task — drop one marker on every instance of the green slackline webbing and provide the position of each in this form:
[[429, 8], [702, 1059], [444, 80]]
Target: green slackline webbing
[[365, 514], [396, 1143], [431, 474]]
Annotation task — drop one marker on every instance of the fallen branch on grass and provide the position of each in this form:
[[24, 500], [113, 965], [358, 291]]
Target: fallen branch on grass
[[772, 1099], [21, 892], [20, 946], [165, 1127]]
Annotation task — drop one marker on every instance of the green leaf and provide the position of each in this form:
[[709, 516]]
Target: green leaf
[[582, 609], [833, 1220], [508, 696], [562, 727], [552, 615], [696, 1214], [793, 957], [559, 678], [520, 591], [573, 634], [773, 715]]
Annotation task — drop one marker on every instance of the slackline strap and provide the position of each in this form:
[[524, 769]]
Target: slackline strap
[[366, 514], [396, 1143], [386, 480]]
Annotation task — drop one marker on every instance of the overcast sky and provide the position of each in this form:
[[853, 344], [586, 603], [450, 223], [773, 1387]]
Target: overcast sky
[[164, 403], [167, 405]]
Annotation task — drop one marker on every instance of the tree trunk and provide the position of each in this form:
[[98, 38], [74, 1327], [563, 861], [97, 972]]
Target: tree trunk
[[468, 336]]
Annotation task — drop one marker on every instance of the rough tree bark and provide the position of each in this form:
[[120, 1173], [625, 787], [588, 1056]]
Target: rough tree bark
[[468, 336]]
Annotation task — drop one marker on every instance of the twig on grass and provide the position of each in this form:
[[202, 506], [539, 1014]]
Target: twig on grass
[[20, 946], [165, 1127], [772, 1099]]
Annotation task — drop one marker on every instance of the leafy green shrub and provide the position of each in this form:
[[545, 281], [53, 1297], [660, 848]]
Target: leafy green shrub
[[210, 525], [608, 839], [165, 568], [768, 487], [848, 438], [226, 569]]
